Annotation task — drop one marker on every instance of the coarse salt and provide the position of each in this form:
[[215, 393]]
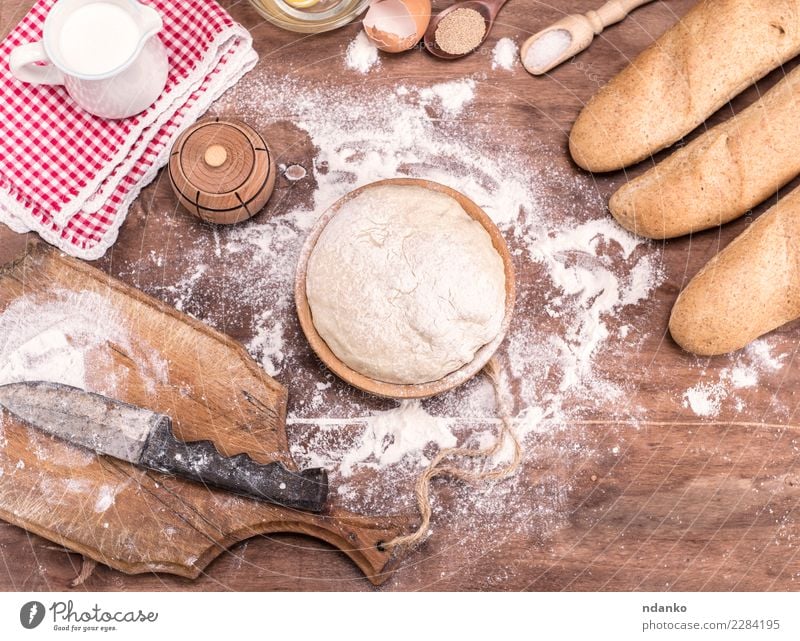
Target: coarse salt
[[547, 48]]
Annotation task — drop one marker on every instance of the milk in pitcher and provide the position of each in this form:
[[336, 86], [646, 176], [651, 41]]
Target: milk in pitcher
[[98, 38]]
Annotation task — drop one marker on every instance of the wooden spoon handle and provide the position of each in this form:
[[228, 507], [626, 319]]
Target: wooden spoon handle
[[494, 6], [612, 12]]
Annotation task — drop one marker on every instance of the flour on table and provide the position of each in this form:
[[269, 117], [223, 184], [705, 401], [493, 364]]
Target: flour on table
[[707, 398], [49, 339], [593, 268], [505, 54], [67, 337], [362, 54], [582, 278], [106, 496], [452, 96], [268, 343], [399, 435], [187, 284], [759, 355], [589, 289]]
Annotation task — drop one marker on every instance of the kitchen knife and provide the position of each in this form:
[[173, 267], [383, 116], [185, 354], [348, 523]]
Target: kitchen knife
[[145, 438]]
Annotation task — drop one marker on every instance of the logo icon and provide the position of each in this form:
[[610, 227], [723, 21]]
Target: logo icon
[[31, 614]]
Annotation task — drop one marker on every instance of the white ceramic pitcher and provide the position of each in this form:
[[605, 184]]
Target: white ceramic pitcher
[[124, 91]]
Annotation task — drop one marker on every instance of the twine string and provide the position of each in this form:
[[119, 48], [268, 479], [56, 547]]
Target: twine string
[[87, 568], [436, 467]]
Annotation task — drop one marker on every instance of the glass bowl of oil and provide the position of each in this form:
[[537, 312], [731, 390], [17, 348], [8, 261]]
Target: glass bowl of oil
[[310, 16]]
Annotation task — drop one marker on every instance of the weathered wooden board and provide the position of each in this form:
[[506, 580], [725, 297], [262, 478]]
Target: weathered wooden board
[[136, 520]]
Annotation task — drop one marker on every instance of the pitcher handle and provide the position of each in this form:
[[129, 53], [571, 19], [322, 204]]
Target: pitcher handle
[[22, 63]]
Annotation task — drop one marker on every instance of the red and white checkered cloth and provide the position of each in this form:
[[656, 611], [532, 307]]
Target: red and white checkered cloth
[[71, 176]]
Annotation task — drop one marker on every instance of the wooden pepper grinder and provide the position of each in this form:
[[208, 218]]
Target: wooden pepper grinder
[[222, 170]]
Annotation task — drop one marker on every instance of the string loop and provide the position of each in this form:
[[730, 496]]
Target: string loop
[[437, 468]]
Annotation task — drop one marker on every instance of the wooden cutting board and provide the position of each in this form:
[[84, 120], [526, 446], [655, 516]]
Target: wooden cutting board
[[136, 520]]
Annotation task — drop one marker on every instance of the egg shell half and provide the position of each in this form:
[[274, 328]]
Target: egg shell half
[[397, 25]]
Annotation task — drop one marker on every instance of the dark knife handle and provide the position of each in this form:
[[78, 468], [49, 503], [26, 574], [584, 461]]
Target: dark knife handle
[[202, 462]]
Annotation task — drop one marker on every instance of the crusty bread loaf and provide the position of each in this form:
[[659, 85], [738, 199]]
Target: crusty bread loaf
[[748, 289], [722, 173], [718, 49]]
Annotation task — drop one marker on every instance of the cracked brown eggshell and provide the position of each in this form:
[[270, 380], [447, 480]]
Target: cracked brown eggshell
[[397, 25]]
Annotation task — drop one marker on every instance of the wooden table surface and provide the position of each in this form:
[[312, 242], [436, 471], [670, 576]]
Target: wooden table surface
[[675, 502]]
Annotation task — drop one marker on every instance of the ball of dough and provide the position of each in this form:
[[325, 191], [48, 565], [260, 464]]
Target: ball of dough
[[404, 286]]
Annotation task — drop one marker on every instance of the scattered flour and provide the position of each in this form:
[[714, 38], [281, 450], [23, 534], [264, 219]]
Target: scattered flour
[[585, 301], [759, 354], [504, 55], [590, 271], [268, 343], [362, 54], [705, 399], [70, 338], [48, 355], [78, 486], [52, 338], [106, 496], [589, 289], [741, 377], [452, 96], [708, 397], [392, 435], [373, 448], [187, 284]]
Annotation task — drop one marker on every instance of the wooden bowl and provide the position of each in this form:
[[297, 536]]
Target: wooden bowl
[[398, 390]]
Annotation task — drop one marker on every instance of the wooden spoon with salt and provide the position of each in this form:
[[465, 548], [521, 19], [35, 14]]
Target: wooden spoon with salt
[[488, 10], [569, 36]]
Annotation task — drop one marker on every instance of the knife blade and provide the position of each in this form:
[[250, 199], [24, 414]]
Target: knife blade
[[143, 437]]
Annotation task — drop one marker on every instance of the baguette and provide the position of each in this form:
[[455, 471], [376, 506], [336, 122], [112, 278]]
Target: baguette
[[721, 174], [750, 288], [717, 50]]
